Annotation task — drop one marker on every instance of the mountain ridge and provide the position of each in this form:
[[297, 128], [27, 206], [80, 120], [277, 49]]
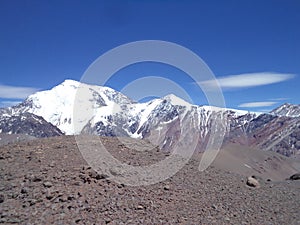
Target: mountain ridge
[[76, 108], [62, 96]]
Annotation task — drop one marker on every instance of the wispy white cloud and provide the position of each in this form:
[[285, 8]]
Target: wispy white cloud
[[14, 92], [247, 80], [279, 99], [256, 104]]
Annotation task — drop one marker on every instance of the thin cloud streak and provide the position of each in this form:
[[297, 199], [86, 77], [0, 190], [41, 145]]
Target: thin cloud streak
[[256, 104], [247, 80], [279, 99], [15, 92]]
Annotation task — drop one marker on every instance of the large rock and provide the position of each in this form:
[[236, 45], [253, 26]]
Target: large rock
[[296, 176], [252, 182]]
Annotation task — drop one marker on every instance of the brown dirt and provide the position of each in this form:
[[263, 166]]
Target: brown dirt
[[249, 161], [46, 181]]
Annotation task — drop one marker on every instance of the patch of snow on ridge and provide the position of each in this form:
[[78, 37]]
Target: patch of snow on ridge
[[145, 112]]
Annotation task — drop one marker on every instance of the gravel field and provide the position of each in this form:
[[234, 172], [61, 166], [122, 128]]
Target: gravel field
[[46, 181]]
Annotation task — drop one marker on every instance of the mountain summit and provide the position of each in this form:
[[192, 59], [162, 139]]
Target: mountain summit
[[287, 110]]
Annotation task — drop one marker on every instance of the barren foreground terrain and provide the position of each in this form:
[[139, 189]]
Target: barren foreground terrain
[[46, 181]]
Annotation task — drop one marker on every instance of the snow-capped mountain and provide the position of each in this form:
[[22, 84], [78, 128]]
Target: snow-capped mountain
[[77, 108], [105, 111], [287, 110], [57, 105]]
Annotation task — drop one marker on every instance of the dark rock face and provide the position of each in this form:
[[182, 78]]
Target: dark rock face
[[26, 123]]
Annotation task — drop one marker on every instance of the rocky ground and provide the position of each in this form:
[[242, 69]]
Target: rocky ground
[[13, 138], [46, 181]]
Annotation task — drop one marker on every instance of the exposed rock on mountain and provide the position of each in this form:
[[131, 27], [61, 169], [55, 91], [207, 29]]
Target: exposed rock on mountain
[[269, 132], [26, 123]]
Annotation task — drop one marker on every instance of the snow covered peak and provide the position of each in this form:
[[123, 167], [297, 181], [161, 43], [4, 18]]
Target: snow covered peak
[[69, 82], [174, 100], [67, 85], [287, 109], [57, 104]]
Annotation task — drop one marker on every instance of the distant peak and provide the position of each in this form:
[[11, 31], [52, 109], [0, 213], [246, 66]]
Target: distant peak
[[289, 105], [287, 109], [285, 104]]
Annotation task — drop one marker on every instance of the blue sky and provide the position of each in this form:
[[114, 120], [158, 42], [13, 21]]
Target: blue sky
[[252, 47]]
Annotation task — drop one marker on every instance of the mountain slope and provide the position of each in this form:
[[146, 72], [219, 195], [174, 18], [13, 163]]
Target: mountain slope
[[26, 123], [270, 132]]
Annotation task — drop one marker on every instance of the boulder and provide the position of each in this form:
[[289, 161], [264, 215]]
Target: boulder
[[252, 182], [295, 176]]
